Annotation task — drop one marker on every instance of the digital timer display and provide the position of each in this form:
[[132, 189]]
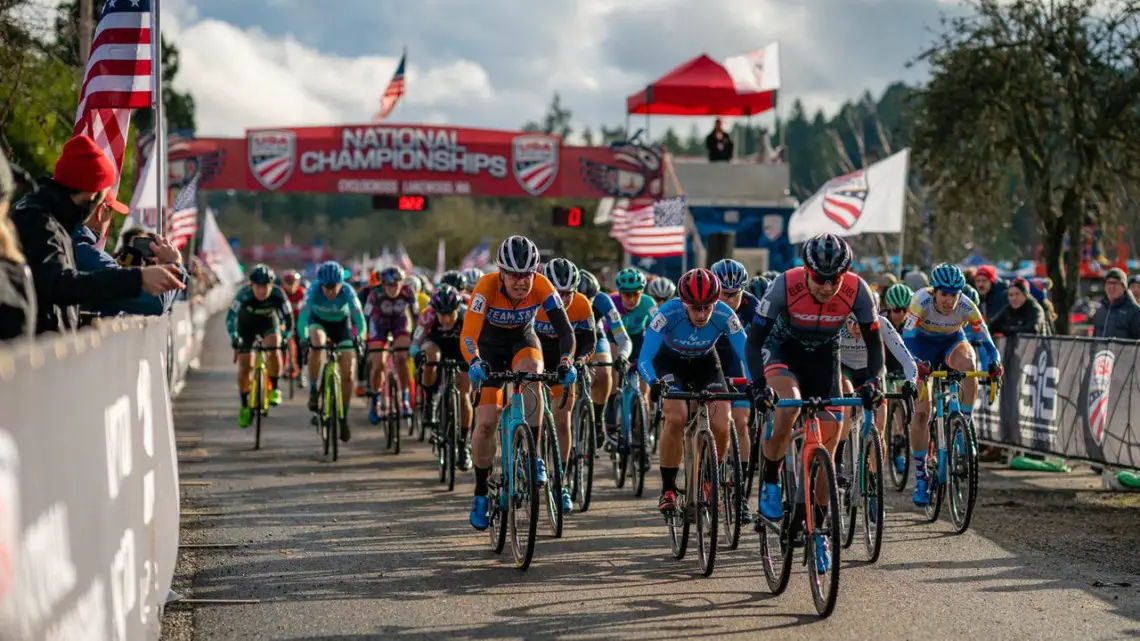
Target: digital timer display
[[566, 216], [400, 203]]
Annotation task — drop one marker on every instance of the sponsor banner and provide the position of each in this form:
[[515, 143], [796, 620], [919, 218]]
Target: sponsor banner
[[89, 510], [1068, 396]]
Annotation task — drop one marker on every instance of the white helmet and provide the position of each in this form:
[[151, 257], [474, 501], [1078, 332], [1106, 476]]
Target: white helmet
[[661, 288], [518, 254]]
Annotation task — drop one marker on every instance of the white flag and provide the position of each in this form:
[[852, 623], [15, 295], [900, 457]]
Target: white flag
[[217, 253], [440, 260], [144, 202], [604, 213], [756, 71], [870, 200]]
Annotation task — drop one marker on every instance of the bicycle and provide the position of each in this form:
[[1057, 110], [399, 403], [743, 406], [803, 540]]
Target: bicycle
[[287, 366], [632, 439], [552, 454], [805, 458], [580, 471], [392, 415], [952, 469], [864, 438], [732, 480], [513, 495], [701, 476], [756, 418], [330, 408], [444, 438], [258, 400], [899, 415]]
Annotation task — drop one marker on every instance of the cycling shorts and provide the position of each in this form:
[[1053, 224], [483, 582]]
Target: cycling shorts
[[732, 367], [816, 372], [601, 347], [697, 373], [636, 340], [338, 333], [381, 329], [448, 347], [935, 350], [551, 354], [251, 327], [502, 349]]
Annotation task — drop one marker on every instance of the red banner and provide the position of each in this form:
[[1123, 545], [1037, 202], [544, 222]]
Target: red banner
[[426, 160]]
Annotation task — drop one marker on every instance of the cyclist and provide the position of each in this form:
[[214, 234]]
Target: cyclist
[[937, 325], [680, 349], [565, 277], [606, 318], [661, 289], [437, 338], [456, 279], [363, 289], [260, 309], [295, 291], [332, 313], [472, 274], [794, 339], [758, 286], [636, 311], [389, 309], [896, 301], [498, 336], [732, 277]]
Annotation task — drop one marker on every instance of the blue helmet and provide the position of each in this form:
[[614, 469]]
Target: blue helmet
[[330, 273], [732, 275], [948, 278]]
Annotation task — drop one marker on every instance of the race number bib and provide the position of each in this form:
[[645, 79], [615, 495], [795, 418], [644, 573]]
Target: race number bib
[[478, 304], [734, 324], [658, 323]]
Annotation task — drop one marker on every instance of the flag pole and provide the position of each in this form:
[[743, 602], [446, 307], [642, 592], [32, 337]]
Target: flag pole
[[902, 228], [159, 119]]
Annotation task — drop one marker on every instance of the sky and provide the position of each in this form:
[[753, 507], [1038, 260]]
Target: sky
[[497, 63]]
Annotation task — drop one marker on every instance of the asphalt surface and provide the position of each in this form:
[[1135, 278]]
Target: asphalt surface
[[373, 547]]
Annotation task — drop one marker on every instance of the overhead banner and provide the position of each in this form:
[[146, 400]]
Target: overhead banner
[[1067, 396], [89, 509]]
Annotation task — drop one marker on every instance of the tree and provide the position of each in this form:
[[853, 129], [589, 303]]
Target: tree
[[555, 122], [1045, 93]]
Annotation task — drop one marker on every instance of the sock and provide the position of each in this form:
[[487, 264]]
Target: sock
[[669, 478], [598, 413], [481, 475], [919, 462], [771, 470], [273, 382], [244, 399]]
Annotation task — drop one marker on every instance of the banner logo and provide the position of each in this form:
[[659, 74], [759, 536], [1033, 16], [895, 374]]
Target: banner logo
[[272, 156], [1096, 406], [773, 226], [1037, 401], [635, 172], [534, 162], [845, 197]]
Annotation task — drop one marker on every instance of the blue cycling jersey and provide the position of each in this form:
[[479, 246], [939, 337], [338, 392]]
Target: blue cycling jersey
[[671, 329], [607, 312], [320, 309]]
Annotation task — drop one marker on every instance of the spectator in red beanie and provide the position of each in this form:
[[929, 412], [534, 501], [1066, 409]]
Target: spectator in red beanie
[[992, 291], [80, 186]]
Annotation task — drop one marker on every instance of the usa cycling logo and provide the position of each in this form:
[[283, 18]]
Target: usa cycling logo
[[272, 157], [534, 162], [1096, 403], [845, 197]]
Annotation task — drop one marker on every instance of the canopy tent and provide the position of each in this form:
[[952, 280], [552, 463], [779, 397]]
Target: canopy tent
[[699, 87]]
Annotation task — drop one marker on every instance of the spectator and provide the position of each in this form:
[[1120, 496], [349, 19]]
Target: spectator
[[1039, 290], [916, 280], [79, 187], [991, 291], [17, 306], [89, 258], [1022, 316], [1134, 286], [884, 281], [1118, 315], [719, 144]]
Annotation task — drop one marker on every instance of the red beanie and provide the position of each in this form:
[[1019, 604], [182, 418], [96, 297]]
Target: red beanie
[[84, 167]]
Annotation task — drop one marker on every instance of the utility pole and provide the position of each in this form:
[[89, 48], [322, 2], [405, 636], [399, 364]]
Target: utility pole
[[85, 30]]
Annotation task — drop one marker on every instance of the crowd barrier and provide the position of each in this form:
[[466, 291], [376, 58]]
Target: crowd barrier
[[89, 503], [1067, 396]]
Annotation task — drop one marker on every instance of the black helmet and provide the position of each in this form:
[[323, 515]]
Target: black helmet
[[445, 300], [454, 278], [827, 256], [588, 285], [261, 274]]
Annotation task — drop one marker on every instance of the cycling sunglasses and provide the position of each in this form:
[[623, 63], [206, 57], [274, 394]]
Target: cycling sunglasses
[[822, 280], [950, 292], [704, 309], [896, 310], [517, 275]]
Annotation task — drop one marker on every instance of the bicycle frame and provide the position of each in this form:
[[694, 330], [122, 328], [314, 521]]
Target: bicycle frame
[[944, 403], [697, 424]]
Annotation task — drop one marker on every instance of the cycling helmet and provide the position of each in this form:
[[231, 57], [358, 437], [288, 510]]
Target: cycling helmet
[[731, 274], [771, 275], [373, 278], [758, 286], [330, 273], [445, 300], [454, 278], [518, 254], [827, 256], [473, 275], [948, 278], [290, 277], [698, 287], [973, 294], [261, 274], [391, 275], [898, 296], [346, 274], [661, 288], [563, 274], [588, 285], [630, 280]]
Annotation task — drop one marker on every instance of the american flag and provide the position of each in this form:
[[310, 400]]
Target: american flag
[[647, 228], [403, 259], [118, 76], [479, 256], [183, 223], [394, 91]]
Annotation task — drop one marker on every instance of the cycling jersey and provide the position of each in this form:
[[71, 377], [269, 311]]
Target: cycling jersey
[[747, 311], [931, 335], [390, 314], [326, 312], [429, 329], [297, 300], [853, 351], [492, 315], [607, 318], [274, 309], [581, 317], [637, 319], [422, 301], [671, 331]]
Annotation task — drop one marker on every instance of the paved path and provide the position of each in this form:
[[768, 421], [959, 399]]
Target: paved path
[[372, 547]]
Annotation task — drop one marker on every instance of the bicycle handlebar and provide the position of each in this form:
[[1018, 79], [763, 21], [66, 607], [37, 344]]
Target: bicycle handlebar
[[820, 404], [704, 396], [519, 377]]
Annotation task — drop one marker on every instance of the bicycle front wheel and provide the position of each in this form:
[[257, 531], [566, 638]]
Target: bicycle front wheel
[[550, 454], [776, 544], [258, 395], [583, 460], [451, 437], [639, 446], [393, 413], [871, 491], [731, 479], [524, 497], [962, 476], [899, 448], [934, 474], [333, 407], [707, 494], [823, 573], [849, 485]]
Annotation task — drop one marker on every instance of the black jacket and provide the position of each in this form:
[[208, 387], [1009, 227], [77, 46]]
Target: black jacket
[[995, 301], [1027, 319], [44, 221], [17, 301], [1117, 320]]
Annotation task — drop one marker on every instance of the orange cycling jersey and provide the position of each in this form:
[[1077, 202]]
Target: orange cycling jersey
[[491, 305], [580, 314]]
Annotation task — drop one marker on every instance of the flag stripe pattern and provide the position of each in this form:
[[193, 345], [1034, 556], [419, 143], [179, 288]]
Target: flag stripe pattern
[[479, 257], [650, 229], [118, 76], [184, 218], [394, 91]]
